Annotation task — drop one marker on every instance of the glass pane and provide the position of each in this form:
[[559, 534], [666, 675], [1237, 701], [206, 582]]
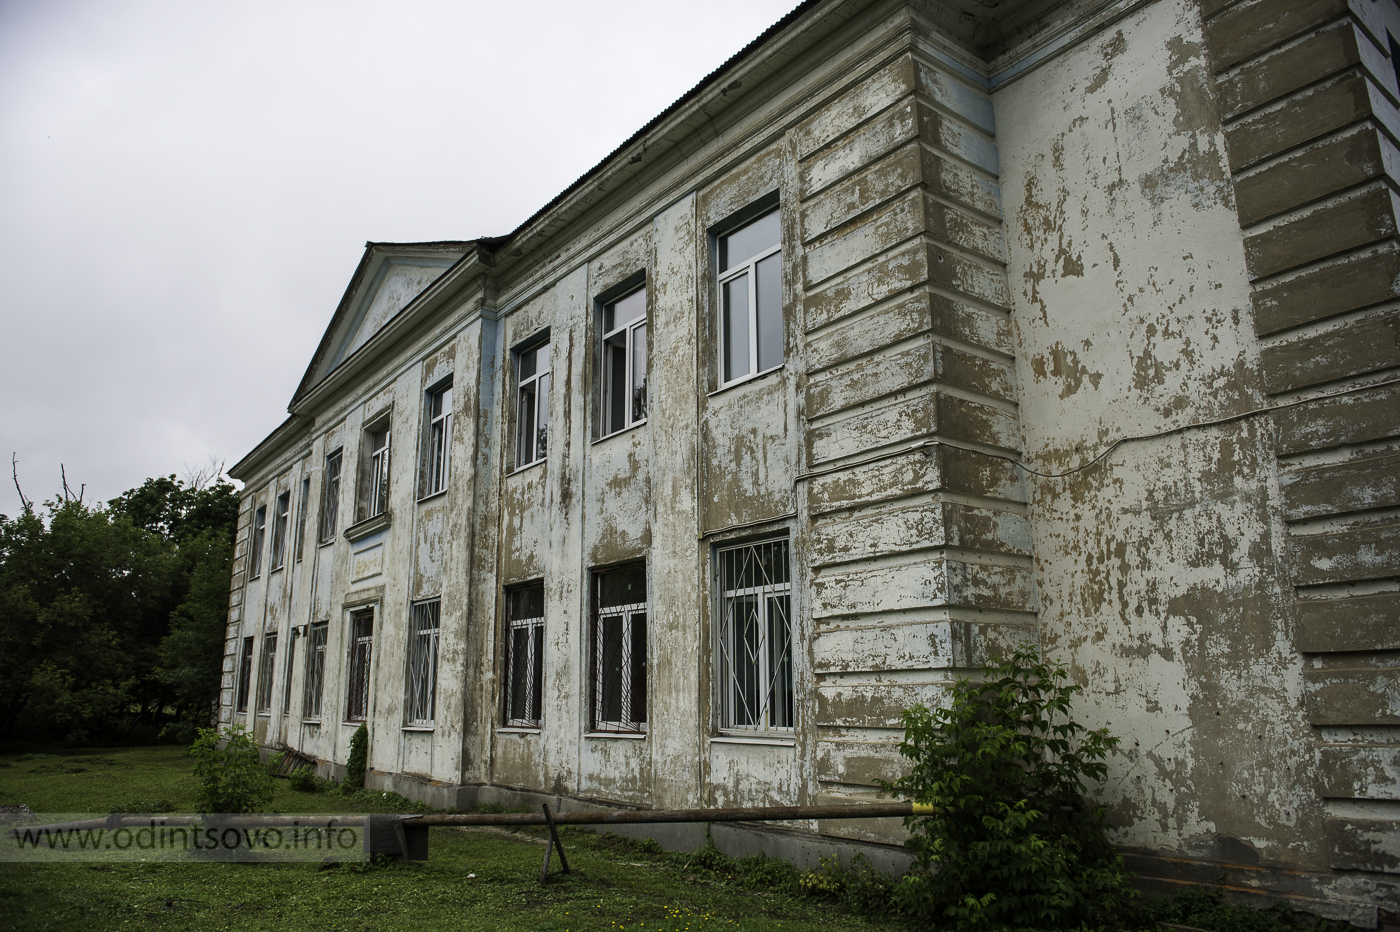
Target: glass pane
[[748, 241], [625, 310], [527, 365], [744, 652], [770, 311], [526, 603], [610, 668], [537, 680], [615, 382], [639, 373], [525, 449], [638, 701], [622, 587], [736, 328], [780, 706], [519, 672], [542, 428]]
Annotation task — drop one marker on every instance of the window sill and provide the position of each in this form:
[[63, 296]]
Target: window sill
[[428, 728], [277, 569], [526, 466], [325, 543], [311, 721], [431, 495], [771, 740], [267, 714], [618, 433], [747, 379], [514, 730], [368, 526], [625, 735], [355, 723]]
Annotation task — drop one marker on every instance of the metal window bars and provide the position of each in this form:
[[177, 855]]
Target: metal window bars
[[301, 517], [423, 629], [755, 637], [287, 674], [619, 642], [266, 665], [361, 655], [245, 674], [315, 671], [524, 666], [330, 495]]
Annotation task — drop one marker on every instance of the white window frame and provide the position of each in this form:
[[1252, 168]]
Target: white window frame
[[631, 698], [747, 267], [256, 539], [437, 440], [313, 690], [245, 676], [287, 673], [267, 666], [377, 485], [424, 632], [770, 706], [537, 385], [359, 665], [330, 494], [281, 519], [301, 516], [533, 662], [634, 333]]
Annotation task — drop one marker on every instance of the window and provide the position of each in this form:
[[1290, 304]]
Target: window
[[330, 496], [751, 299], [374, 473], [279, 529], [301, 515], [423, 626], [287, 674], [532, 411], [437, 441], [315, 671], [265, 667], [620, 650], [755, 637], [361, 651], [625, 362], [245, 673], [255, 543], [524, 656]]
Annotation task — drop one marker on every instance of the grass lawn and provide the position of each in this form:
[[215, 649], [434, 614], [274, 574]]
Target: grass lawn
[[614, 883]]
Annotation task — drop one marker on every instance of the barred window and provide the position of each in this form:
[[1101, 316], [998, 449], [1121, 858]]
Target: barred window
[[755, 637], [620, 650], [282, 516], [423, 627], [330, 496], [437, 441], [266, 664], [255, 542], [245, 674], [524, 665], [361, 651], [287, 673], [301, 515], [315, 672]]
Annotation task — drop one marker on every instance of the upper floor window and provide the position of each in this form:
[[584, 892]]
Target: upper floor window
[[437, 440], [281, 518], [266, 664], [751, 299], [625, 362], [373, 498], [245, 675], [532, 410], [301, 514], [255, 542], [330, 496], [755, 637]]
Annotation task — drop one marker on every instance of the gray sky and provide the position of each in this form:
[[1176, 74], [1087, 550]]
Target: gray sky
[[186, 188]]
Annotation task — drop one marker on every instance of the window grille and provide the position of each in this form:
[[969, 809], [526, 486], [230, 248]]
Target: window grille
[[755, 637], [266, 665], [620, 650], [524, 656], [423, 628], [287, 674], [279, 529], [245, 674], [361, 651], [301, 516], [255, 542], [438, 442], [315, 671], [330, 496], [378, 501]]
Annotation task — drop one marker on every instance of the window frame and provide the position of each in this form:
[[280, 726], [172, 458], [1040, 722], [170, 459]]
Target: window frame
[[748, 267], [301, 516], [539, 451], [287, 668], [257, 534], [631, 339], [267, 667], [373, 499], [313, 688], [282, 516], [533, 626], [245, 676], [435, 460], [762, 719], [330, 494], [630, 697], [424, 640], [359, 665]]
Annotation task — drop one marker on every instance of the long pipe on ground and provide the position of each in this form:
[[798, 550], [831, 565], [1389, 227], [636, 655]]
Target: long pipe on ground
[[646, 816]]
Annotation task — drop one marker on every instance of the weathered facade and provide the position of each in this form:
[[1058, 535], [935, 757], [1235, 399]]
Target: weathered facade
[[919, 329]]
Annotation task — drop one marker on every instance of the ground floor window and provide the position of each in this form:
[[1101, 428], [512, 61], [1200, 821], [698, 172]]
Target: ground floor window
[[423, 626], [315, 671], [524, 660], [245, 674], [361, 653], [266, 664], [619, 640], [754, 636]]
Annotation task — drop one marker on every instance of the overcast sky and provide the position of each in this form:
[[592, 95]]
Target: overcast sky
[[186, 188]]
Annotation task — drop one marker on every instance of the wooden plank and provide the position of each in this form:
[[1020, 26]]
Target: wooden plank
[[1363, 844], [1352, 696], [1359, 771], [1357, 219], [1249, 29], [1364, 346], [1358, 623], [1344, 556], [1350, 157], [1310, 114], [1279, 73], [1362, 279], [1359, 417], [1341, 488]]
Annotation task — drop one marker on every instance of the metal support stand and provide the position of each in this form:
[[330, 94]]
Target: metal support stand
[[550, 845]]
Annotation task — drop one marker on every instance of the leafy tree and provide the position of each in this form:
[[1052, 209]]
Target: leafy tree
[[1011, 841]]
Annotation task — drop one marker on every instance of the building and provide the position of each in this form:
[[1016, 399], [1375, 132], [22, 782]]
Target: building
[[920, 328]]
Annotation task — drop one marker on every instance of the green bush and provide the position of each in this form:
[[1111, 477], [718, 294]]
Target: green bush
[[359, 756], [1011, 841], [303, 780], [230, 778]]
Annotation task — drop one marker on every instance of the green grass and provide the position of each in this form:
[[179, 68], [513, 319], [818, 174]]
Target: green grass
[[615, 884]]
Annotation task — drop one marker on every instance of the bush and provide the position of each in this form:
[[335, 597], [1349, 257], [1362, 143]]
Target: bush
[[303, 779], [1012, 841], [230, 778], [359, 755]]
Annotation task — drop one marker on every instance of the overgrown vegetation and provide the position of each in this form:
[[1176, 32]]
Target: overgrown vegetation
[[1012, 841], [359, 757], [229, 776], [112, 618]]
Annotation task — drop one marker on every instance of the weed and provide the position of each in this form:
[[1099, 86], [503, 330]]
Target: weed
[[359, 755], [230, 778]]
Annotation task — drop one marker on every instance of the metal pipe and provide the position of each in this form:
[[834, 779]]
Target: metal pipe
[[646, 816]]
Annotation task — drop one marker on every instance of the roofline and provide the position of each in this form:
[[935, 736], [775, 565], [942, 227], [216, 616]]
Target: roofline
[[274, 442]]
